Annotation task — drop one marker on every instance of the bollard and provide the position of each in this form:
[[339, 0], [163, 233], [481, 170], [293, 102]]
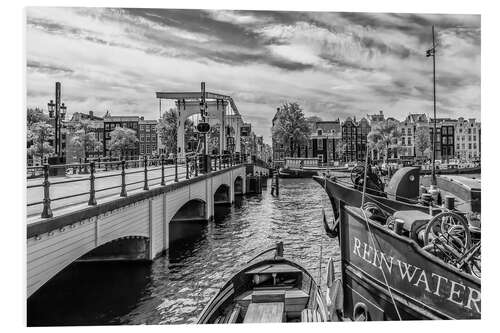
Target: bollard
[[277, 184], [176, 178], [47, 212], [449, 202], [146, 187], [399, 226], [187, 167], [92, 201], [123, 192], [162, 170]]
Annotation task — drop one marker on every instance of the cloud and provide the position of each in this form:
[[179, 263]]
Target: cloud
[[333, 64]]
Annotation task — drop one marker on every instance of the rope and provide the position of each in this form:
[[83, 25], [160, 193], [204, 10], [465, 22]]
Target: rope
[[372, 238]]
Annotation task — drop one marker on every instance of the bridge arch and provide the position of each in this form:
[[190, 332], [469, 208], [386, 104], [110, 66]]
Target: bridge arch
[[238, 185], [222, 195], [188, 221]]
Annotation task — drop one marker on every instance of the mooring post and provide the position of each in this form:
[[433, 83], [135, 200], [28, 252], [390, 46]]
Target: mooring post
[[277, 184], [123, 192], [47, 211], [146, 187], [187, 167], [92, 201], [162, 170], [176, 178]]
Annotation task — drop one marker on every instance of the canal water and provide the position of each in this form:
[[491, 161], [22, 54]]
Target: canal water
[[175, 288]]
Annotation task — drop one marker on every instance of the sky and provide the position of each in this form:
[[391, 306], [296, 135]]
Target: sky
[[334, 64]]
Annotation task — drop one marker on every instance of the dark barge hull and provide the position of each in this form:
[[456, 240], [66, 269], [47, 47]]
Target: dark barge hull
[[352, 197], [453, 171], [423, 287]]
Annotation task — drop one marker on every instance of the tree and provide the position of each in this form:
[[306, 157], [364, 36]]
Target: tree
[[39, 135], [291, 128], [34, 116], [85, 138], [422, 140], [123, 139], [384, 136], [167, 130]]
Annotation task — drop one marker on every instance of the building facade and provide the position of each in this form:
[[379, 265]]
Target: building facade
[[467, 139], [148, 137]]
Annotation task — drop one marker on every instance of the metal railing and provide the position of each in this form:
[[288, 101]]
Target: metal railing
[[156, 171]]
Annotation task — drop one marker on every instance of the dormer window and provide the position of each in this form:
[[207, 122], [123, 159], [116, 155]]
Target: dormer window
[[320, 132]]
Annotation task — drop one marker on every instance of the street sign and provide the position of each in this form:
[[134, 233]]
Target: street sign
[[203, 127]]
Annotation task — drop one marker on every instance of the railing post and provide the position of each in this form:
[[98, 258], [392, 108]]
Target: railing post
[[146, 187], [196, 160], [92, 201], [187, 167], [176, 178], [231, 159], [47, 212], [98, 162], [123, 192], [162, 170]]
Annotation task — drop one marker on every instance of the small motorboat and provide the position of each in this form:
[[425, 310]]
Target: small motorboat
[[267, 291]]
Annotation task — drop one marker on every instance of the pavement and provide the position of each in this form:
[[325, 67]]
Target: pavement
[[60, 187]]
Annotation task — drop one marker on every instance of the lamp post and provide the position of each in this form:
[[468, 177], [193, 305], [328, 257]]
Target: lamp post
[[429, 53], [58, 112]]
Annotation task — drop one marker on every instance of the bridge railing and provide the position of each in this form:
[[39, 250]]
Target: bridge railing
[[117, 177]]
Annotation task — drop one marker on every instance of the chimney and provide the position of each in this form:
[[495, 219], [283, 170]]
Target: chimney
[[91, 114]]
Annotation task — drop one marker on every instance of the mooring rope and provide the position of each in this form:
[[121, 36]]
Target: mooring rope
[[373, 238]]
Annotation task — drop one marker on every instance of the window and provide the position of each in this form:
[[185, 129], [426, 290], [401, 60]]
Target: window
[[458, 146], [475, 145], [409, 141], [148, 128], [409, 131], [474, 138], [445, 130], [141, 127], [474, 130], [320, 132], [468, 130], [470, 145], [320, 144], [403, 131], [142, 137], [403, 141], [470, 138], [463, 145], [445, 140]]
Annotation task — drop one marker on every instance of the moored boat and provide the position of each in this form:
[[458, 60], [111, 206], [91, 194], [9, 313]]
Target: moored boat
[[270, 290], [409, 266]]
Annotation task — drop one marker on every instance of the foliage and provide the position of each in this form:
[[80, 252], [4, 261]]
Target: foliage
[[85, 137], [290, 128], [384, 136], [422, 140], [123, 139], [213, 139], [35, 115], [39, 135], [167, 130]]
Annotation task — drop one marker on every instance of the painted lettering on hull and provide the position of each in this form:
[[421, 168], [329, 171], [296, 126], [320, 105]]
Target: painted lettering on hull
[[410, 276]]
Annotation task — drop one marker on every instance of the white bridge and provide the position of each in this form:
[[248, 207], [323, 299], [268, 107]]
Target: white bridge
[[141, 225]]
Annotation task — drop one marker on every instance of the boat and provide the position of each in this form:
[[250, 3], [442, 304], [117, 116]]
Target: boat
[[405, 268], [403, 258], [404, 191], [273, 289]]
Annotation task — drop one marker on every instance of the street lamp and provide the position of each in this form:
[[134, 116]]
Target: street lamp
[[63, 111], [50, 106], [58, 112]]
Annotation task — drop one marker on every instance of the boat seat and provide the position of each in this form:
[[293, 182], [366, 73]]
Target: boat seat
[[414, 220], [309, 315], [265, 313], [229, 317]]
